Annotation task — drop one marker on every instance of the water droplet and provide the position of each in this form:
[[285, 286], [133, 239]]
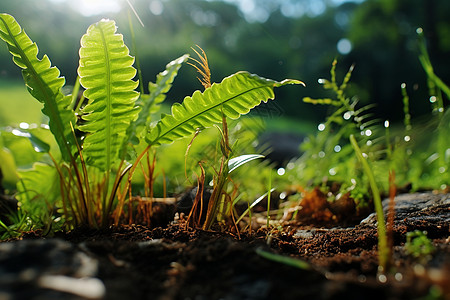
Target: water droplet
[[17, 132], [386, 123], [403, 85], [407, 138], [369, 143], [398, 276], [419, 30], [347, 115], [283, 195], [365, 155], [332, 171], [382, 278], [441, 170], [321, 81], [337, 148], [368, 132], [321, 127], [281, 171], [290, 166], [433, 99], [321, 154], [24, 125]]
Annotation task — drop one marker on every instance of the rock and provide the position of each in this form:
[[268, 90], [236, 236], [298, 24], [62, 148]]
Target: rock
[[418, 210]]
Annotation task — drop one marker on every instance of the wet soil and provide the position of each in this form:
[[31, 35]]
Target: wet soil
[[175, 262]]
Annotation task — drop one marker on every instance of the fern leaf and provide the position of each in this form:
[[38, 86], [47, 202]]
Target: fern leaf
[[234, 96], [106, 72], [43, 82], [151, 103]]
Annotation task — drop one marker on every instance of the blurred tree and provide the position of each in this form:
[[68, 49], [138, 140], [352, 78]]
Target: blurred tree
[[383, 33]]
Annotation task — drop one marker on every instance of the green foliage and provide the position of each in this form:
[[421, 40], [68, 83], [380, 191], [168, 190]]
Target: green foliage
[[234, 96], [384, 252], [151, 103], [43, 83], [96, 147], [327, 154], [419, 246], [106, 73], [286, 260]]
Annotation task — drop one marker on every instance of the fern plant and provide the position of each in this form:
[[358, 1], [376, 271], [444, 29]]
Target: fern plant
[[95, 138]]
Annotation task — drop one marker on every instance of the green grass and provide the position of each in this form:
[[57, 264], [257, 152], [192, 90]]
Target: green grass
[[17, 105]]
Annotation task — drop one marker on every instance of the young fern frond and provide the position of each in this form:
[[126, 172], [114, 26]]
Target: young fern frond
[[157, 94], [106, 72], [43, 82]]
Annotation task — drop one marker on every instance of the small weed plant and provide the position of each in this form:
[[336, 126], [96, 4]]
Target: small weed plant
[[419, 246]]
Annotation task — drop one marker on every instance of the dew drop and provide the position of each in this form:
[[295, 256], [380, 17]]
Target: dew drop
[[398, 276], [382, 278], [24, 125]]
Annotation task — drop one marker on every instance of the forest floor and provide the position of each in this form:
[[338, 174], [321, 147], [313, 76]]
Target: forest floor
[[175, 262]]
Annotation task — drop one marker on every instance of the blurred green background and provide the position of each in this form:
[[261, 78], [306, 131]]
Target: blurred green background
[[273, 38]]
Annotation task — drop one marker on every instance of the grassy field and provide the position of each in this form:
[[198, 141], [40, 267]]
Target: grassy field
[[17, 105]]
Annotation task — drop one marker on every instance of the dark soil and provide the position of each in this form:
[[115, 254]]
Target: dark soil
[[135, 262]]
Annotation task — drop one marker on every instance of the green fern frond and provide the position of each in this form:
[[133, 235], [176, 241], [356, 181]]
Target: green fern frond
[[106, 72], [233, 97], [151, 103], [43, 82]]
